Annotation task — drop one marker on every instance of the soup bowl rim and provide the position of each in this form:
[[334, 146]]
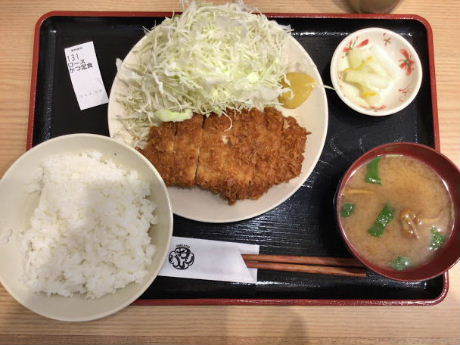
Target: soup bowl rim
[[361, 161]]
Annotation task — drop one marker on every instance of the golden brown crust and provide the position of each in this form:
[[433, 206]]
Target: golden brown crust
[[212, 162], [266, 138], [160, 150], [239, 156], [186, 150], [292, 143]]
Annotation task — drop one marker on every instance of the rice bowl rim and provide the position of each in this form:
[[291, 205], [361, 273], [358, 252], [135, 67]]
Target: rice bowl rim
[[161, 255]]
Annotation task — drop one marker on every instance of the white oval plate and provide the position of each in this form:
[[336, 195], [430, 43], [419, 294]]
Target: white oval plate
[[401, 93], [204, 206], [17, 205]]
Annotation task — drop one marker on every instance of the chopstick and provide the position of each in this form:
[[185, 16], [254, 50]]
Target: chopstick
[[309, 260], [308, 264]]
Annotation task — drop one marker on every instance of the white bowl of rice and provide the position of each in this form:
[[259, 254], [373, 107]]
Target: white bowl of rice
[[85, 226]]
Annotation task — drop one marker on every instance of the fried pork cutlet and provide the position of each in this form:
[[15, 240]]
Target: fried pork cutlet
[[214, 155], [266, 132], [160, 150], [242, 152], [187, 145], [173, 149], [239, 156], [292, 145]]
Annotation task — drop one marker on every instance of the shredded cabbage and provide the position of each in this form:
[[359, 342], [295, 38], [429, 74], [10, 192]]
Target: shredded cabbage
[[209, 59]]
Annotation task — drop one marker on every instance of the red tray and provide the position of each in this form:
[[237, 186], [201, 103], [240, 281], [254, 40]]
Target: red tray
[[54, 111]]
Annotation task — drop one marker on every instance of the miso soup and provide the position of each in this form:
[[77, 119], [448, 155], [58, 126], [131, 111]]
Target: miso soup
[[396, 211]]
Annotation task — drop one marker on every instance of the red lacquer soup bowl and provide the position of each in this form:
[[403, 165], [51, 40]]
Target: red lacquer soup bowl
[[447, 255]]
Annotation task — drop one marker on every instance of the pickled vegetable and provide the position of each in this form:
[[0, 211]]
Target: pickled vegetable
[[368, 73], [366, 81]]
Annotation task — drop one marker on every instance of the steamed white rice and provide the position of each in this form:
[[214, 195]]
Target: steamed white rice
[[89, 231]]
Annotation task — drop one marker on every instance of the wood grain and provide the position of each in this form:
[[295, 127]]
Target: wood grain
[[315, 269], [308, 260], [438, 324]]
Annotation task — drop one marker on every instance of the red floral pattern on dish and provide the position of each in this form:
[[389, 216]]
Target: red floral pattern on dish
[[341, 75], [378, 108], [407, 63], [386, 39], [374, 108], [352, 44], [404, 92]]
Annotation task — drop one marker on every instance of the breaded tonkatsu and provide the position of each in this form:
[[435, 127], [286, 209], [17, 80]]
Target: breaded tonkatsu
[[239, 156]]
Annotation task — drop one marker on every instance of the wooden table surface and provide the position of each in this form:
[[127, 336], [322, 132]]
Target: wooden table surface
[[438, 324]]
